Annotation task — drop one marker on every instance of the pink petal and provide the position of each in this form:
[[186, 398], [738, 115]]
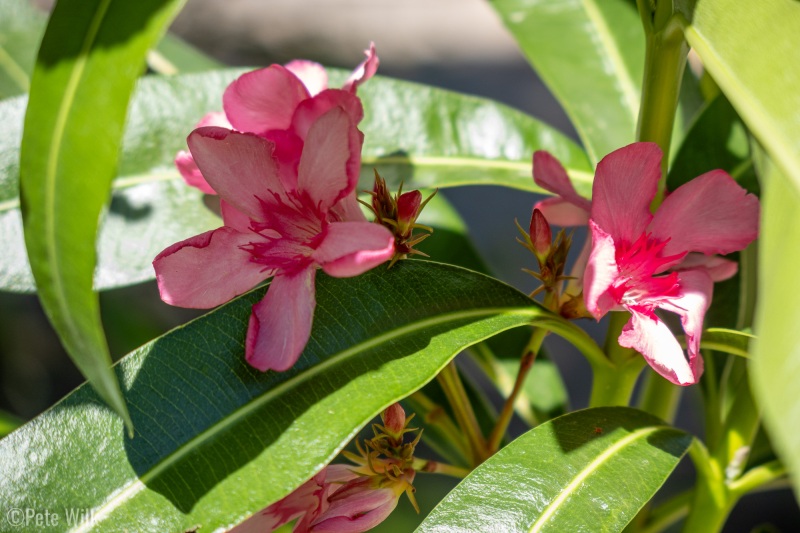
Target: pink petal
[[280, 325], [351, 248], [711, 214], [652, 338], [601, 273], [347, 210], [364, 71], [288, 149], [331, 159], [312, 75], [624, 185], [239, 166], [190, 173], [560, 212], [263, 99], [309, 111], [550, 175], [696, 291], [715, 266], [207, 270], [356, 507], [234, 218]]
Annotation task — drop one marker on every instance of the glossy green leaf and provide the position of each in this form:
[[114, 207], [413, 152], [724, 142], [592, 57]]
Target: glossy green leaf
[[590, 53], [216, 440], [448, 140], [775, 365], [21, 29], [90, 56], [572, 473], [750, 49]]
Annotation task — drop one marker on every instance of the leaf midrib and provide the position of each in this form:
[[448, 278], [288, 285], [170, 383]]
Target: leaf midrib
[[592, 467], [103, 511]]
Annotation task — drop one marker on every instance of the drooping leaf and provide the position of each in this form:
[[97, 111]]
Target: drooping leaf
[[727, 341], [775, 364], [572, 473], [448, 140], [743, 45], [217, 440], [90, 56], [570, 42], [21, 29]]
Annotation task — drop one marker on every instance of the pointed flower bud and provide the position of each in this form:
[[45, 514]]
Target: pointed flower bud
[[394, 421], [541, 235]]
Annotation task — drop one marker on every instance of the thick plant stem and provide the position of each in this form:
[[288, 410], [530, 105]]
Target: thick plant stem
[[614, 386], [712, 500], [462, 408], [665, 60], [660, 397], [525, 365]]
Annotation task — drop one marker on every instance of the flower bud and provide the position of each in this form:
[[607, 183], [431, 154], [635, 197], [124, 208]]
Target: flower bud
[[394, 421], [541, 235]]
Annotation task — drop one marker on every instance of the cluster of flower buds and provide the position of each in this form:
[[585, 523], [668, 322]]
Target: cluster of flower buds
[[399, 214], [550, 254], [351, 498]]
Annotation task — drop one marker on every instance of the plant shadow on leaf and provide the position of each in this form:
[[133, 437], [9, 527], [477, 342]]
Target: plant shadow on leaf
[[204, 416], [121, 206]]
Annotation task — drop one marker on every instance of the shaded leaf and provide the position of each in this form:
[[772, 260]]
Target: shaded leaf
[[569, 474], [21, 29], [216, 440]]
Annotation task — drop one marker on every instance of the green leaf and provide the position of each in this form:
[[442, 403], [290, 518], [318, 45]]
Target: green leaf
[[572, 473], [90, 57], [743, 45], [216, 440], [8, 423], [448, 140], [727, 341], [590, 53], [21, 29], [775, 365]]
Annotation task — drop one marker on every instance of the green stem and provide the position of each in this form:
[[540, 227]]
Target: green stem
[[757, 477], [741, 425], [438, 421], [435, 467], [525, 364], [665, 60], [712, 500], [614, 386], [660, 397], [462, 408], [669, 512]]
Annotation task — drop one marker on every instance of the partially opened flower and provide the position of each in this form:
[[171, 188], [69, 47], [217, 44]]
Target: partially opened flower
[[635, 262], [280, 102], [281, 219]]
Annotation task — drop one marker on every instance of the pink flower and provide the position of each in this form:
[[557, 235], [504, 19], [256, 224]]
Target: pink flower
[[279, 98], [336, 500], [636, 258], [287, 209]]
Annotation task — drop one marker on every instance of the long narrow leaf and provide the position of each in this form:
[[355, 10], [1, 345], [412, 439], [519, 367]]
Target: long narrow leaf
[[590, 470], [90, 57]]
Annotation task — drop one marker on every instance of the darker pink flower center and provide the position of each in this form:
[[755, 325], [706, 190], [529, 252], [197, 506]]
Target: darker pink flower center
[[639, 264]]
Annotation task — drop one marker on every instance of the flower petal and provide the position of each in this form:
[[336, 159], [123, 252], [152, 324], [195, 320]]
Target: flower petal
[[190, 173], [357, 506], [309, 111], [347, 210], [351, 248], [711, 214], [331, 159], [549, 174], [280, 325], [207, 270], [263, 99], [239, 166], [625, 183], [717, 267], [652, 338], [233, 218], [696, 291], [560, 212], [364, 71], [312, 75], [601, 272]]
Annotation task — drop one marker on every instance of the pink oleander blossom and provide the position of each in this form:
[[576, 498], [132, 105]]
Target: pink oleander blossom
[[287, 210], [279, 103], [336, 500], [640, 262]]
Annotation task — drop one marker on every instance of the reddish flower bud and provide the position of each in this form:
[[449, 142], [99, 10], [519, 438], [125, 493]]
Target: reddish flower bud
[[541, 235], [407, 211], [394, 420]]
